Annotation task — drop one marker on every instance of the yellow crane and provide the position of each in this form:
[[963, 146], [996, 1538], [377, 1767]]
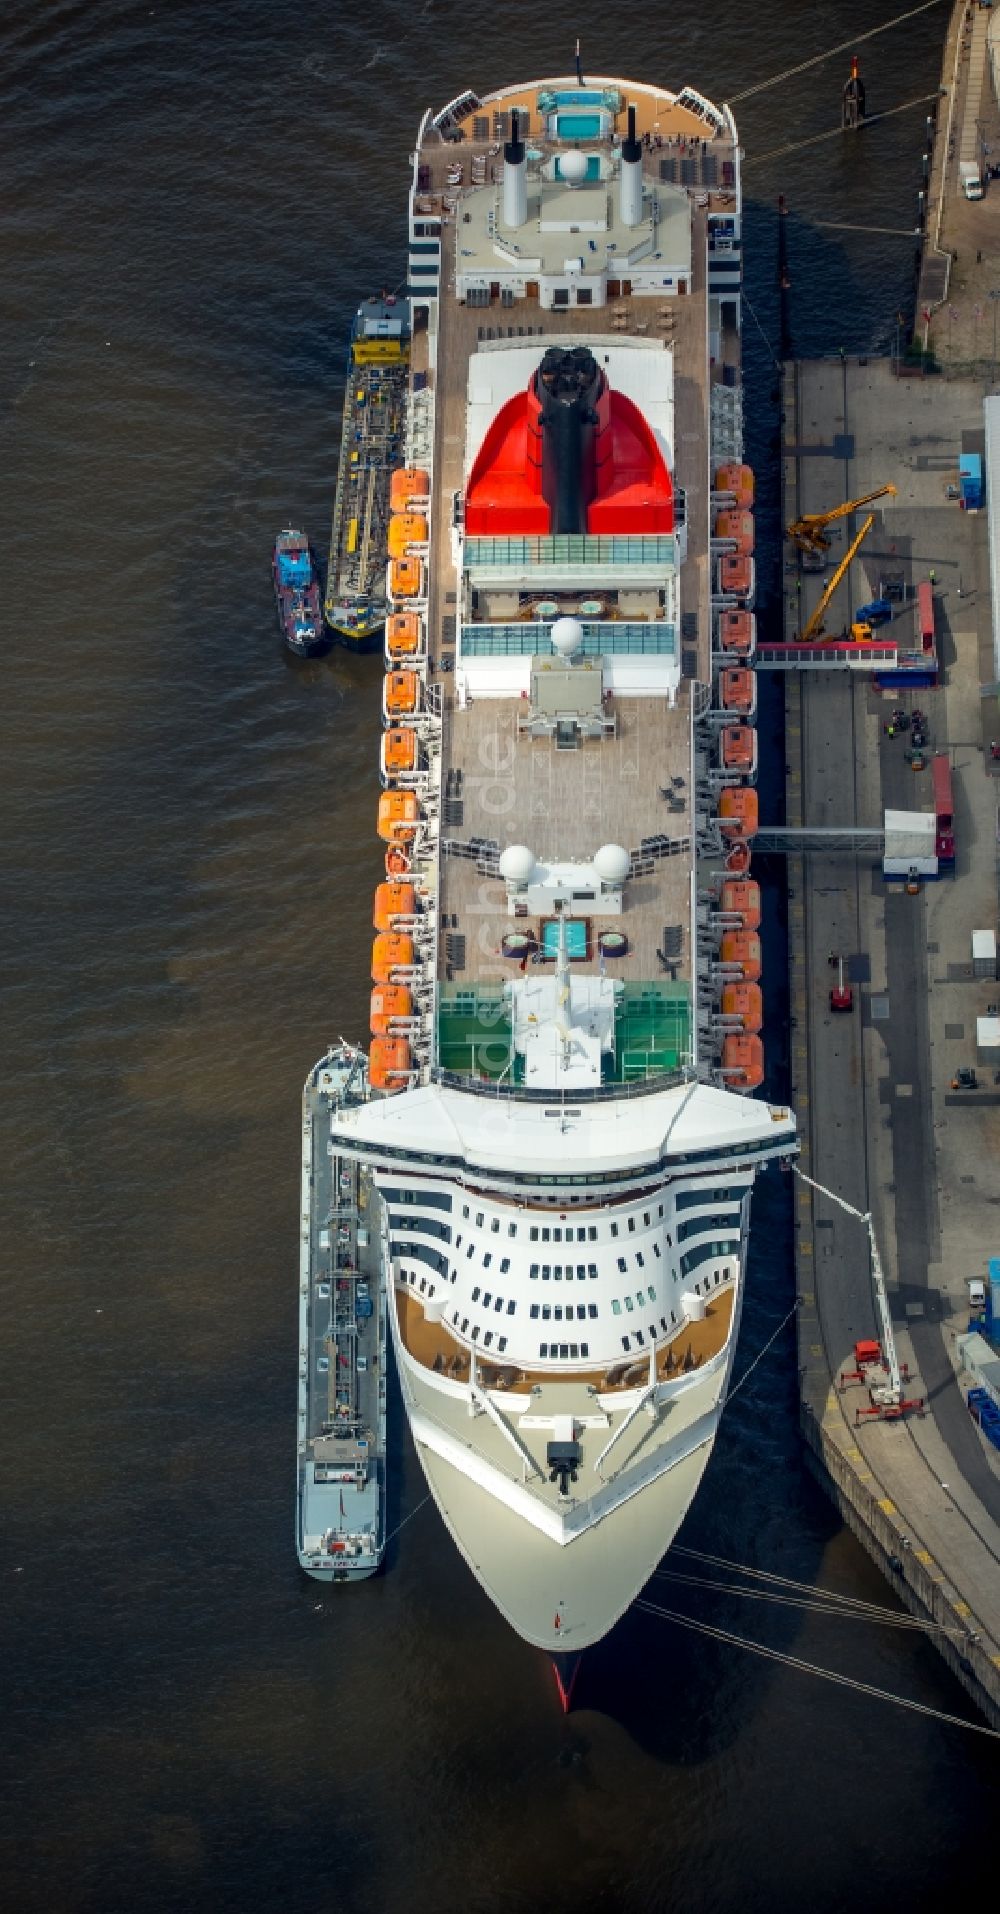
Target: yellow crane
[[809, 532], [814, 628]]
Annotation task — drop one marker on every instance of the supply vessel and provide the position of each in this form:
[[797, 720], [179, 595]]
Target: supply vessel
[[566, 1114]]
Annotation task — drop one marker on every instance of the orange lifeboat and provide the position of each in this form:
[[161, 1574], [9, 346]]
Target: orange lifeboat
[[738, 689], [742, 949], [739, 749], [738, 526], [736, 575], [742, 900], [388, 1063], [402, 634], [392, 950], [396, 862], [743, 1062], [738, 860], [405, 578], [737, 479], [740, 1000], [405, 529], [397, 817], [738, 632], [406, 485], [399, 751], [401, 692], [394, 1000], [739, 813], [395, 900]]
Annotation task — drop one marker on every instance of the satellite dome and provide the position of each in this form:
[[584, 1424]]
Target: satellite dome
[[573, 168], [517, 864], [567, 636], [611, 863]]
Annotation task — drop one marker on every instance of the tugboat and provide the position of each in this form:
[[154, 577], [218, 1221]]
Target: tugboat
[[296, 594]]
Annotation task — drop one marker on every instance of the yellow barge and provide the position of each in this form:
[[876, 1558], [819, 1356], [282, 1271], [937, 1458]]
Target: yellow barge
[[370, 447]]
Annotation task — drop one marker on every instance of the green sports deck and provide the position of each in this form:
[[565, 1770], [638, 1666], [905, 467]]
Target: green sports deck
[[652, 1032]]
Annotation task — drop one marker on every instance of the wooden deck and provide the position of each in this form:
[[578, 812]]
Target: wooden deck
[[690, 1345], [566, 804]]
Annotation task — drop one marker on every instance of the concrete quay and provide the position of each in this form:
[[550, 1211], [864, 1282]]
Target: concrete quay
[[879, 1121], [959, 281]]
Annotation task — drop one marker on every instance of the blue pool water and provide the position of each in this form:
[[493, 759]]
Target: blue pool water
[[576, 937], [578, 126], [579, 98]]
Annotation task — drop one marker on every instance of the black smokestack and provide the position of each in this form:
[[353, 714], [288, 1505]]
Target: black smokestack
[[568, 384], [631, 150], [513, 152]]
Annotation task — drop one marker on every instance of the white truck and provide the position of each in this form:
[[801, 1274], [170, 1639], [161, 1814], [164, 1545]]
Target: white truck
[[971, 178]]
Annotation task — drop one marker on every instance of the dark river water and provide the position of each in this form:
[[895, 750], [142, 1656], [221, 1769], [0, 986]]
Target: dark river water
[[194, 197]]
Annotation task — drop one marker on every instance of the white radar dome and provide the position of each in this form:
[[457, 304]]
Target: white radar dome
[[567, 636], [517, 864], [611, 863], [573, 168]]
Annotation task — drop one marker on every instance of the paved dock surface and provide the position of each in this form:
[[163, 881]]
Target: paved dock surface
[[880, 1123]]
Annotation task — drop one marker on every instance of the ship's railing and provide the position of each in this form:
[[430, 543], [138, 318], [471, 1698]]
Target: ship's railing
[[566, 1100]]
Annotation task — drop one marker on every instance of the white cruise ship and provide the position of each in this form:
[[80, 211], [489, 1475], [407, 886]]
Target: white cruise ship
[[566, 1057]]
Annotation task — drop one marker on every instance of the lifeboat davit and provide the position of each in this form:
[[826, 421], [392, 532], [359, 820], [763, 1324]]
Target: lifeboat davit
[[397, 864], [407, 487], [400, 693], [743, 1063], [388, 1063], [738, 526], [737, 480], [741, 948], [398, 751], [392, 950], [395, 900], [736, 576], [406, 577], [743, 1001], [739, 749], [406, 529], [738, 860], [742, 899], [738, 632], [738, 690], [403, 635], [390, 1001], [739, 813], [397, 817]]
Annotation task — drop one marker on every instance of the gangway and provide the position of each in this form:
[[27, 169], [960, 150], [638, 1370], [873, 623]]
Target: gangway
[[878, 1364], [809, 531]]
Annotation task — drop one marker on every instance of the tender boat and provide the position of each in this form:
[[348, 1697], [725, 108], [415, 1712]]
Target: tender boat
[[297, 595]]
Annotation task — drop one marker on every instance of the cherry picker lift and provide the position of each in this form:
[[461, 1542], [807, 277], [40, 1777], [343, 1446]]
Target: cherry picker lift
[[809, 532], [814, 628], [877, 1365]]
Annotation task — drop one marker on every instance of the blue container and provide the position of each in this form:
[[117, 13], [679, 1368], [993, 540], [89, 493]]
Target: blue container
[[970, 477]]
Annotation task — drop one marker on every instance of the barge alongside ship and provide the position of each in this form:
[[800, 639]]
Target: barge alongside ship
[[562, 1129]]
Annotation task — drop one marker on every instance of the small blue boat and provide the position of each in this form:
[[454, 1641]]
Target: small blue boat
[[297, 595]]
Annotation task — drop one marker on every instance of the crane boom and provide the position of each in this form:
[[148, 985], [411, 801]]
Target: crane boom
[[809, 531], [893, 1393], [814, 627]]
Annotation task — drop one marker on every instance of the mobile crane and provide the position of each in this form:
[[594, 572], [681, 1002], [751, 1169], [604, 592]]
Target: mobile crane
[[878, 1365], [809, 531], [813, 629]]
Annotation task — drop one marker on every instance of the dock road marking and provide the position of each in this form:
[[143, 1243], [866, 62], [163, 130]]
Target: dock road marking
[[887, 1506]]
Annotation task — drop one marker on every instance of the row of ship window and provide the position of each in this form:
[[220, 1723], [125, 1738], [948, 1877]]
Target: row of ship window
[[442, 1200], [555, 1313], [429, 1226]]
